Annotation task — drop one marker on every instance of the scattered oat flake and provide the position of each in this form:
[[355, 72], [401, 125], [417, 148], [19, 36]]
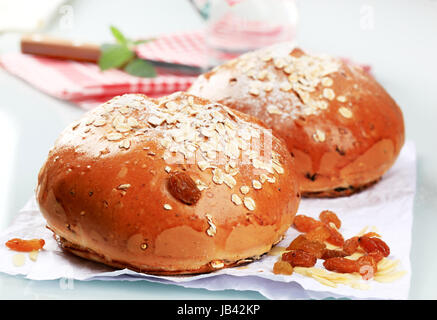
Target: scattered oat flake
[[172, 105], [124, 109], [229, 180], [236, 199], [266, 58], [249, 203], [322, 104], [258, 164], [190, 100], [123, 127], [271, 179], [254, 91], [201, 185], [203, 165], [256, 184], [288, 70], [167, 206], [272, 109], [89, 121], [319, 136], [262, 75], [328, 93], [279, 63], [114, 136], [75, 125], [327, 82], [268, 87], [341, 98], [132, 122], [212, 230], [154, 120], [286, 86], [278, 168], [218, 176], [345, 112], [244, 189], [99, 122], [125, 144], [124, 186]]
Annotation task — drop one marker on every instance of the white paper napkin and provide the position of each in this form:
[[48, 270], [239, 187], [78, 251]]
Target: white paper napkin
[[388, 206]]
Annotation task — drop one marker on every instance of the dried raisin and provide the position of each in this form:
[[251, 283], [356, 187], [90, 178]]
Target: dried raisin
[[320, 234], [328, 254], [282, 267], [350, 246], [377, 256], [305, 224], [371, 234], [297, 242], [25, 245], [327, 216], [341, 265], [374, 244], [299, 258], [302, 243], [182, 187], [335, 237]]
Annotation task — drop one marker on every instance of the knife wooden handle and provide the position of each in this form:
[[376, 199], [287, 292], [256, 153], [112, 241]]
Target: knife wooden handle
[[59, 48]]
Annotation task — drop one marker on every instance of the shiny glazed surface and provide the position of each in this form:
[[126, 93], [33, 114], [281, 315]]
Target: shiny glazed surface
[[342, 127], [104, 187]]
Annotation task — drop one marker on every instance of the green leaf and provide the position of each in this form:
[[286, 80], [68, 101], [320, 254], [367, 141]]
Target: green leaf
[[118, 35], [141, 41], [114, 56], [140, 68]]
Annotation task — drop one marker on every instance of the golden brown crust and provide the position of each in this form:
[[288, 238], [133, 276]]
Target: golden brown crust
[[339, 192], [104, 188], [94, 256], [339, 124]]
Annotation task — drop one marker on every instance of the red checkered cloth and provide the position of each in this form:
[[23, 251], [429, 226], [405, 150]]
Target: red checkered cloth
[[85, 85], [187, 48]]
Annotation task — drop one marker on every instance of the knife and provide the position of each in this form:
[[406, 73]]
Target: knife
[[53, 47]]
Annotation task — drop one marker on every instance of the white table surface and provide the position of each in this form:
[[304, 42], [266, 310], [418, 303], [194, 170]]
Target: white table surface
[[400, 44]]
